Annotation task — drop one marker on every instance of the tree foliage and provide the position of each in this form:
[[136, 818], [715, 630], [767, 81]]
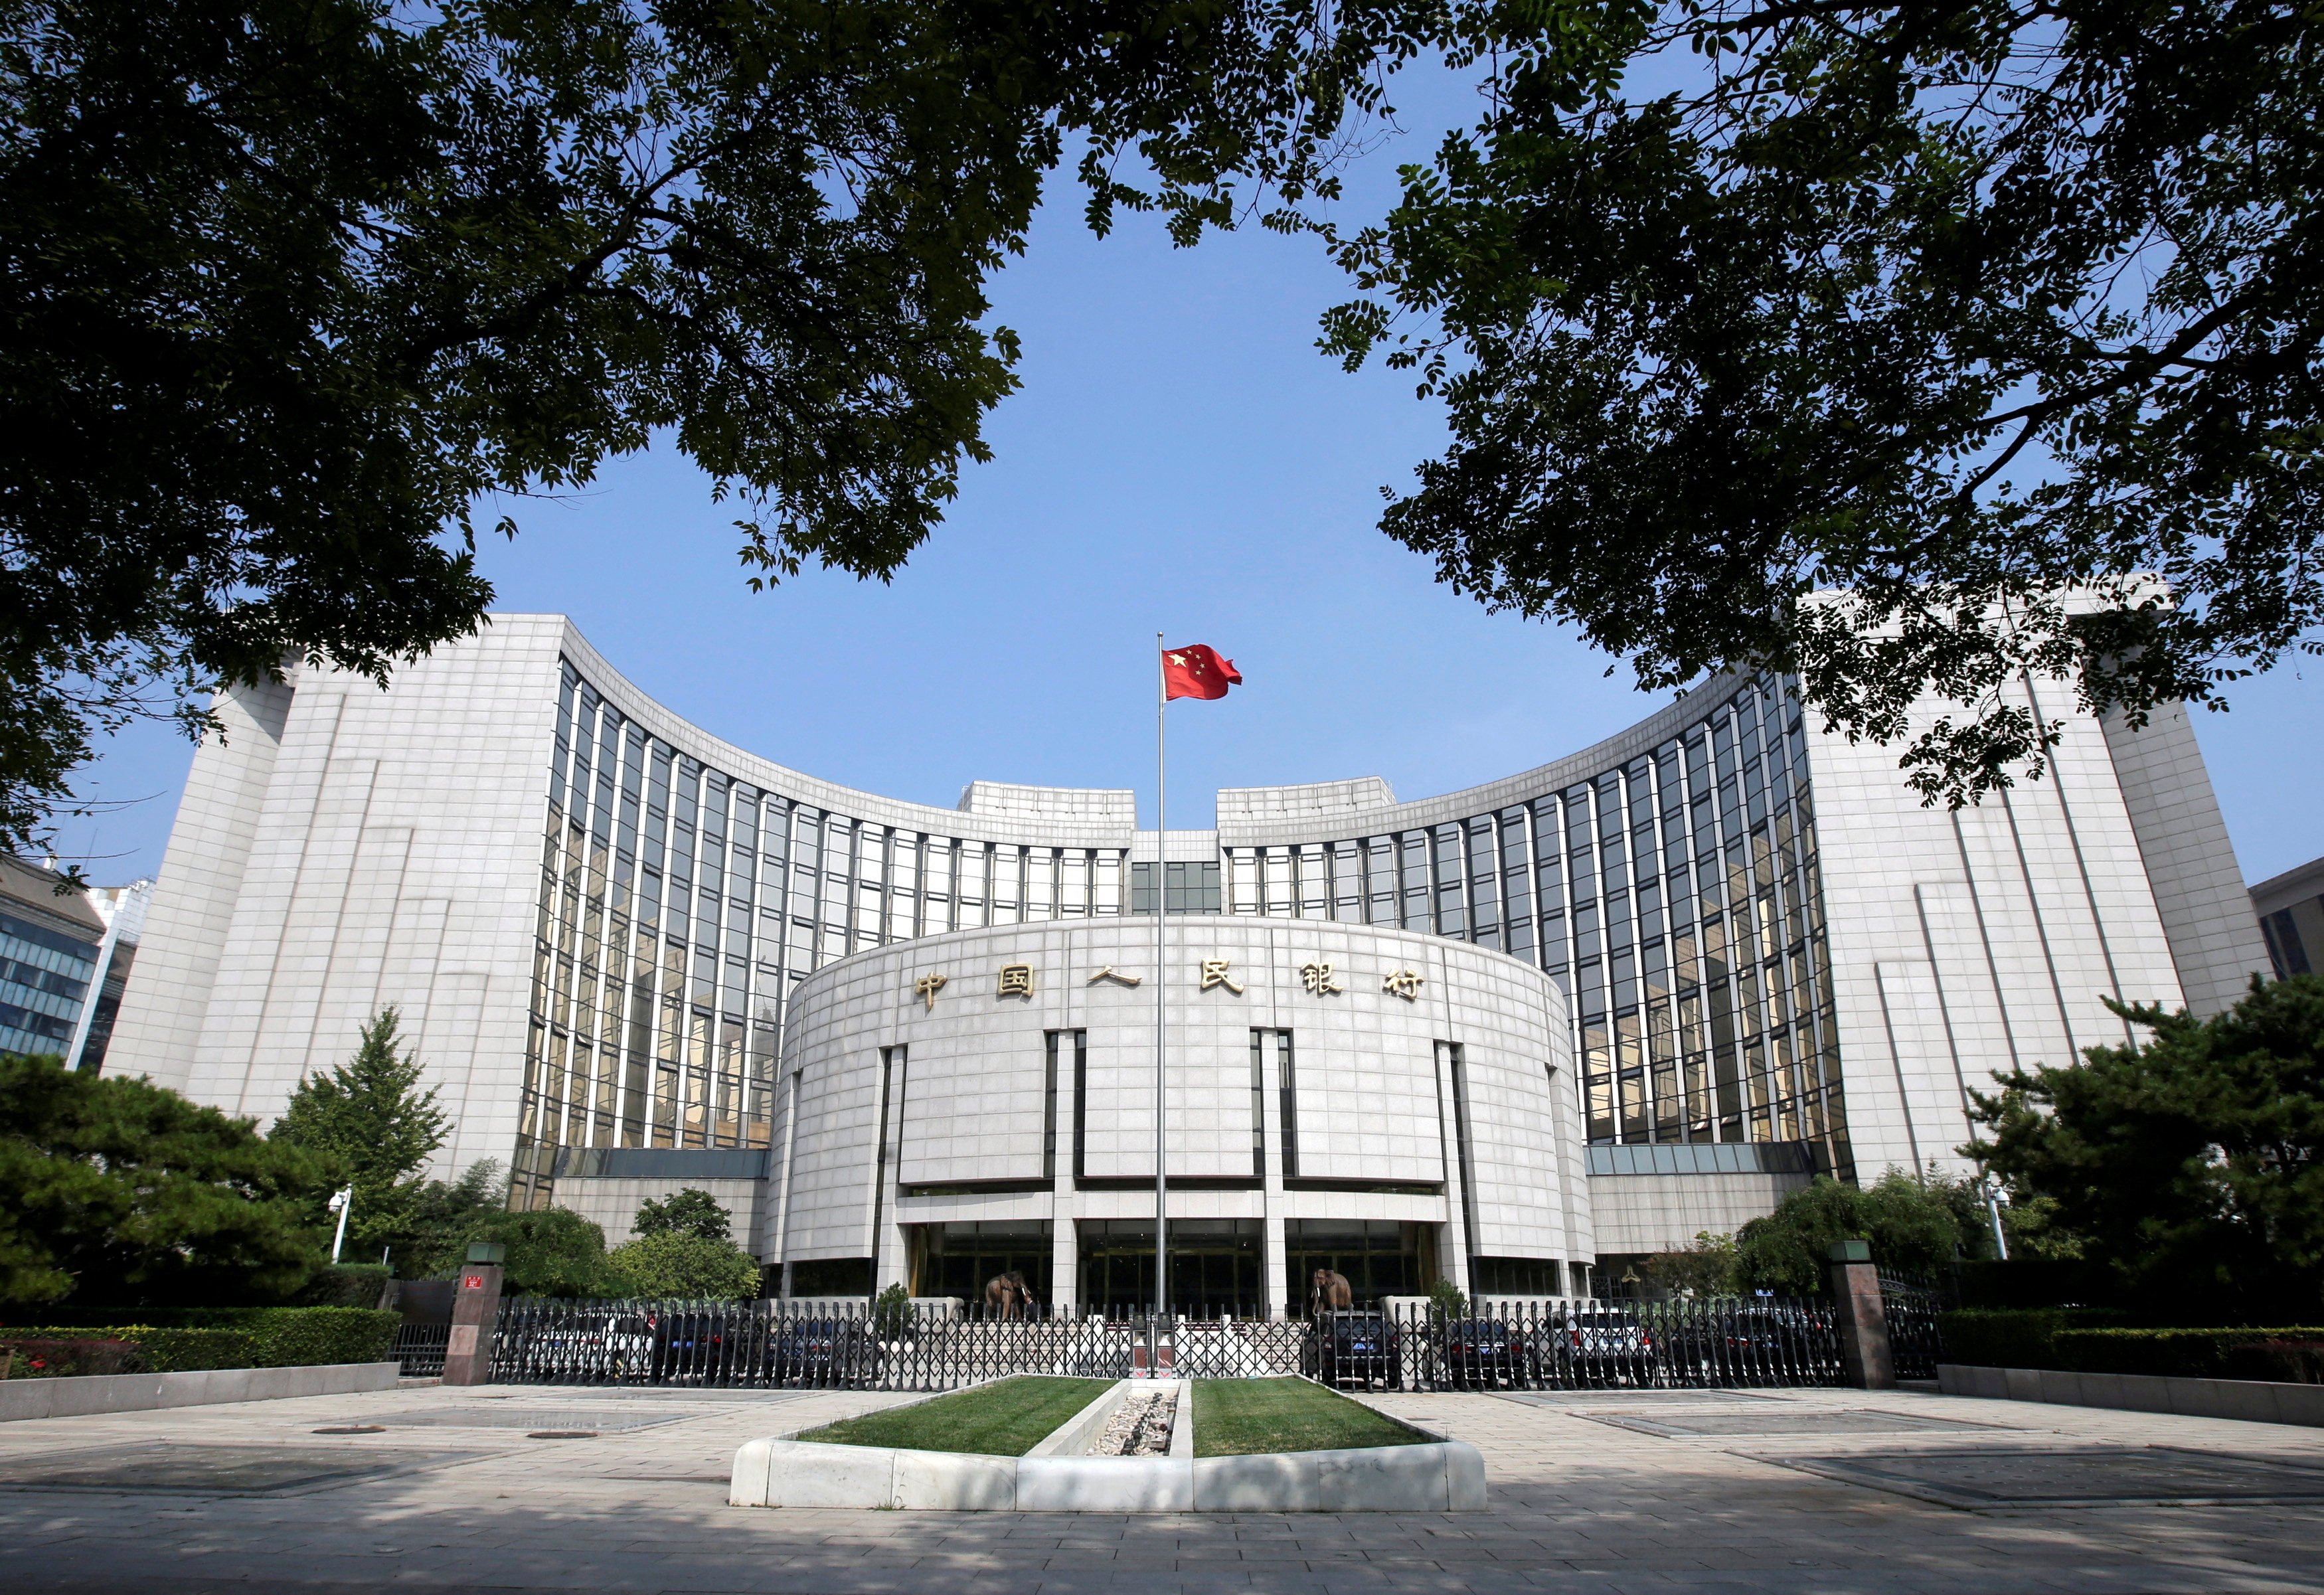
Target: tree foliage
[[371, 1120], [2001, 319], [2191, 1162], [673, 1264], [1911, 1227], [552, 1252], [115, 1192], [288, 287], [1705, 1268], [686, 1211]]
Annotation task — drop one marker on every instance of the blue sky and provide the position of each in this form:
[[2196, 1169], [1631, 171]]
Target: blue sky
[[1181, 459]]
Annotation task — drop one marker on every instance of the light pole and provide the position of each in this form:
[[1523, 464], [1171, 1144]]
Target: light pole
[[341, 1200]]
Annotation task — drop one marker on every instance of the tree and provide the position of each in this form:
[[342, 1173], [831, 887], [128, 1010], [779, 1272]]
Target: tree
[[552, 1252], [371, 1120], [1705, 1268], [2191, 1162], [1910, 1228], [686, 1212], [439, 1215], [2002, 321], [116, 1192], [679, 1264], [288, 288]]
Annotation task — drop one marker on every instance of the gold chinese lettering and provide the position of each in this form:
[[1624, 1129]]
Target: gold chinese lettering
[[1016, 980], [1404, 982], [1214, 973], [926, 987], [1318, 978], [1111, 974]]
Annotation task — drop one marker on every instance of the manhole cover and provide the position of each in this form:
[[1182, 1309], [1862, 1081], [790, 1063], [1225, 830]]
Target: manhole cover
[[2115, 1476], [562, 1435], [214, 1469], [1565, 1400], [355, 1429], [529, 1418], [1677, 1425]]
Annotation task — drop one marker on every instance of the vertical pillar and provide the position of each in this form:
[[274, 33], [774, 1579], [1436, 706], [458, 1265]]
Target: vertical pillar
[[1861, 1318], [1065, 1269], [475, 1312]]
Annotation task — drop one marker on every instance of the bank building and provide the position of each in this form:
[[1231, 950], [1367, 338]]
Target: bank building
[[1515, 1037]]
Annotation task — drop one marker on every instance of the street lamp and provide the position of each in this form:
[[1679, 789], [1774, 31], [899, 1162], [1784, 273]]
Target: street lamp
[[341, 1200]]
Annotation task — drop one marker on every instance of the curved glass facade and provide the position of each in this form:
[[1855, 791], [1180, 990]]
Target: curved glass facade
[[1675, 898]]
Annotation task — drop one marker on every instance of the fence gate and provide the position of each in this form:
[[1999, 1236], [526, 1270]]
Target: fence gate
[[1719, 1343]]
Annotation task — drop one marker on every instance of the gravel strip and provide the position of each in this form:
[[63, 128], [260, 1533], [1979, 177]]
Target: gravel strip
[[1139, 1427]]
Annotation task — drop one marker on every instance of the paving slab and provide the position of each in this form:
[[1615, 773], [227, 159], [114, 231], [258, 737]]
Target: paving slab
[[1688, 1496]]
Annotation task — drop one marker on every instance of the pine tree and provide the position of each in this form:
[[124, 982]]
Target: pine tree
[[372, 1118]]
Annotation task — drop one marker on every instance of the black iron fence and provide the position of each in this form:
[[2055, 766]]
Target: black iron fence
[[420, 1349], [1914, 1342], [1725, 1343]]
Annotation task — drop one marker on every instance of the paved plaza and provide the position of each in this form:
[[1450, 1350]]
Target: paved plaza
[[524, 1489]]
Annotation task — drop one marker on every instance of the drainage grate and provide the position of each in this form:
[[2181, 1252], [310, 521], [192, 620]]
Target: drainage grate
[[1684, 1425], [2111, 1476], [216, 1470], [530, 1418]]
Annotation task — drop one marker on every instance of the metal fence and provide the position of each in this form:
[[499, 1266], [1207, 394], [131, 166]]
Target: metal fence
[[1724, 1342], [420, 1349], [1914, 1341]]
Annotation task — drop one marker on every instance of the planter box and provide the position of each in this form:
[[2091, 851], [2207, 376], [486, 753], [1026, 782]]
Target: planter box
[[146, 1392], [2252, 1400], [1443, 1476]]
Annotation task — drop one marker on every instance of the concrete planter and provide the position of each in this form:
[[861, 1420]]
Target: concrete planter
[[2254, 1400], [1442, 1476], [146, 1392]]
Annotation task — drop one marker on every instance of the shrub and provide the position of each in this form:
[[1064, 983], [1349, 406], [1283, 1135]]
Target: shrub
[[54, 1359], [1448, 1300], [1910, 1226], [2011, 1337], [192, 1338], [2168, 1353], [675, 1265], [345, 1284]]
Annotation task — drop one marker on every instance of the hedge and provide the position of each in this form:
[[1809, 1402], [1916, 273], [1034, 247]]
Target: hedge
[[2081, 1341], [188, 1338], [2189, 1353], [1996, 1337]]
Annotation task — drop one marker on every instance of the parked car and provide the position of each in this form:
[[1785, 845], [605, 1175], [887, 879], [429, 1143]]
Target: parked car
[[1600, 1343], [696, 1348], [1485, 1351], [1362, 1348], [832, 1351]]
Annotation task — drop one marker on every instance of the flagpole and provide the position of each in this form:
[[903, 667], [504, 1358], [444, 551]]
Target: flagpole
[[1161, 913]]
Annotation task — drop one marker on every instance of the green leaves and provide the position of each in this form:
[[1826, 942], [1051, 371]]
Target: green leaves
[[286, 287], [117, 1193], [1909, 1221], [372, 1122], [2003, 322], [2189, 1162], [686, 1211], [675, 1265]]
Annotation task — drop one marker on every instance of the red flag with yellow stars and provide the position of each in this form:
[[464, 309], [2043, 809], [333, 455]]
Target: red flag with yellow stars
[[1197, 671]]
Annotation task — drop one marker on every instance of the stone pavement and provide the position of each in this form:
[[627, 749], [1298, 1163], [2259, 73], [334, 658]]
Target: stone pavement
[[1690, 1493]]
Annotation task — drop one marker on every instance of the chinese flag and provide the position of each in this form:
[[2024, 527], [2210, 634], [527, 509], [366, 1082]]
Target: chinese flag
[[1197, 671]]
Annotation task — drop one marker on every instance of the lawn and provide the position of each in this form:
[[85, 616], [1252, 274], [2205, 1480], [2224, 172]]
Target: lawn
[[1239, 1417], [1007, 1418]]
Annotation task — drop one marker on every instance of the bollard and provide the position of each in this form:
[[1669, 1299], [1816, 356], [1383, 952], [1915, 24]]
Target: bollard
[[476, 1313], [1861, 1318]]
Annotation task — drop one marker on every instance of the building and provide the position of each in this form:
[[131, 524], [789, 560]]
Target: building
[[65, 956], [2291, 909], [1661, 980]]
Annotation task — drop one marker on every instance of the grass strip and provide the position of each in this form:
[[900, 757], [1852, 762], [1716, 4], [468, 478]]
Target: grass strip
[[1242, 1417], [1007, 1418]]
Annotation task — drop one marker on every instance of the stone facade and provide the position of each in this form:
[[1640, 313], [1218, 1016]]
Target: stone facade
[[614, 937]]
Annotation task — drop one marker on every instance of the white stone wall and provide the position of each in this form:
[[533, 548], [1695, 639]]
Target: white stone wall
[[188, 926], [968, 1094], [1968, 941], [1664, 1213], [393, 859]]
